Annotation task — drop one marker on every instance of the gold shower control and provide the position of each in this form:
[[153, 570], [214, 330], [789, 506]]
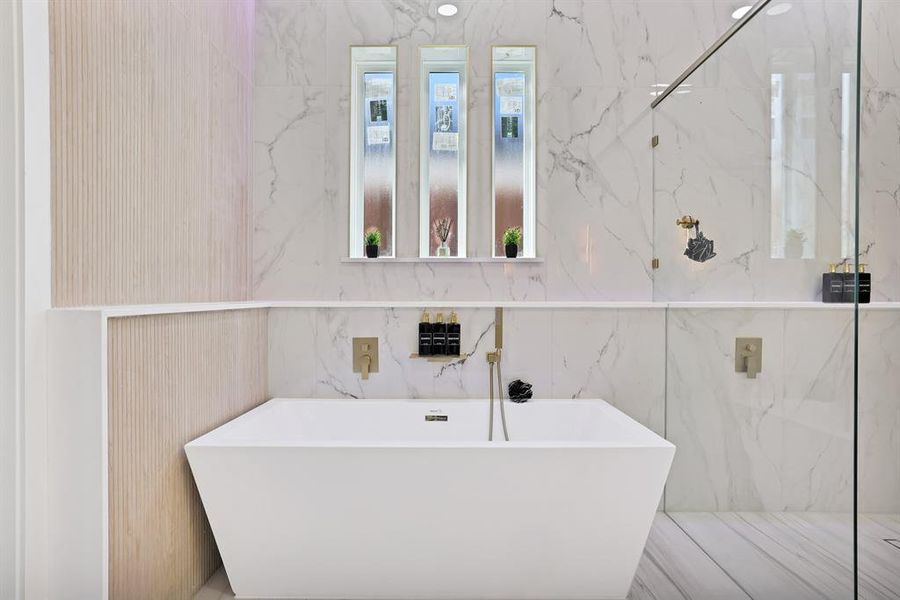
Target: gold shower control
[[365, 355], [748, 356]]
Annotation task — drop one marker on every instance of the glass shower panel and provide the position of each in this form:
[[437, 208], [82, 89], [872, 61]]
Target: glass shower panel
[[878, 497], [758, 146], [753, 197]]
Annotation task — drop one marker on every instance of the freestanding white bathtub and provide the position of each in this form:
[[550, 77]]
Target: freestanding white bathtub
[[408, 500]]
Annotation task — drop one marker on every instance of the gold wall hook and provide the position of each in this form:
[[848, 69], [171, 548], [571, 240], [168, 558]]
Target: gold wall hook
[[687, 222]]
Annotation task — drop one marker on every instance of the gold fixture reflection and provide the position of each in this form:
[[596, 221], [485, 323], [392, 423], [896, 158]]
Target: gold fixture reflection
[[687, 222]]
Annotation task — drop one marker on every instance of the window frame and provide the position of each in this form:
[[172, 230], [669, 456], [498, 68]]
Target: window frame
[[458, 65], [383, 59], [529, 175]]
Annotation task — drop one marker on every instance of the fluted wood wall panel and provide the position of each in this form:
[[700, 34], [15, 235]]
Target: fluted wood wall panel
[[10, 164], [151, 104], [171, 379]]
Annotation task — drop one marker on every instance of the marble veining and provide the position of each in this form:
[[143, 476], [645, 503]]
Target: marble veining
[[606, 206], [310, 356], [605, 201], [782, 441], [785, 556], [717, 141], [595, 224]]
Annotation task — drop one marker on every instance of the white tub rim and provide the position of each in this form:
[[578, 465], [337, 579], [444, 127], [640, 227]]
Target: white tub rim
[[649, 438]]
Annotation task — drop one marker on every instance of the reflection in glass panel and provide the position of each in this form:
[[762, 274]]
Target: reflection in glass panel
[[848, 167], [442, 159], [804, 171], [793, 165], [513, 146], [373, 146]]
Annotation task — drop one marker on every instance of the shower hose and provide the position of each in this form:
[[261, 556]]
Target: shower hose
[[500, 396]]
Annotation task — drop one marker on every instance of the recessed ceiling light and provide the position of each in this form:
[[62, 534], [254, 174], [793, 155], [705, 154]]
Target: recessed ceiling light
[[447, 10], [739, 13], [779, 9]]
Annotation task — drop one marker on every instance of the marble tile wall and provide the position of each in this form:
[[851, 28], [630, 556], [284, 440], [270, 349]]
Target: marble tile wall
[[597, 63], [563, 353], [880, 152], [782, 441], [716, 144], [714, 160], [779, 442]]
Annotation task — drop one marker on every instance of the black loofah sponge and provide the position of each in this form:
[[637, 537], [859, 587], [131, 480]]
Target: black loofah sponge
[[519, 391]]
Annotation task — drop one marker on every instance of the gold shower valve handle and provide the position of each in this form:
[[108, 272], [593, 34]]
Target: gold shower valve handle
[[365, 356], [748, 356], [687, 222]]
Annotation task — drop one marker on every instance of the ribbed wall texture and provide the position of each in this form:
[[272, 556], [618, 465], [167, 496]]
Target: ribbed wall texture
[[9, 258], [151, 105], [171, 379]]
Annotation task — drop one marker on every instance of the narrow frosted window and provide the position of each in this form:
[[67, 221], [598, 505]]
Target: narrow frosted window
[[442, 156], [378, 165], [373, 147], [513, 146]]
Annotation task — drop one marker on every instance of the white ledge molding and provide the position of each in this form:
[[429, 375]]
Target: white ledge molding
[[136, 310], [441, 259]]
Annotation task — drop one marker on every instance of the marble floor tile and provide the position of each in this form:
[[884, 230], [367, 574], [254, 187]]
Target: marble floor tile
[[759, 556], [775, 556], [675, 568]]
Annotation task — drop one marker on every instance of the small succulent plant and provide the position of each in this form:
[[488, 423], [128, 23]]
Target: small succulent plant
[[373, 236], [512, 236]]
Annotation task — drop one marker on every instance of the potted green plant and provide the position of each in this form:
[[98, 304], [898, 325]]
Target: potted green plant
[[373, 241], [512, 237], [442, 228]]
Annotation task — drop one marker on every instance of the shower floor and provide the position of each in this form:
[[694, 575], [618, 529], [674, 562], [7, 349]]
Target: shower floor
[[767, 556], [763, 556]]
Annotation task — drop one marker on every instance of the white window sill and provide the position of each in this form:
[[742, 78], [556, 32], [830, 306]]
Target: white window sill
[[441, 259]]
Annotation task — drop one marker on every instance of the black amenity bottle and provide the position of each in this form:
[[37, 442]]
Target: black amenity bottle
[[453, 335], [425, 337], [832, 285], [849, 283], [439, 335], [865, 285]]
